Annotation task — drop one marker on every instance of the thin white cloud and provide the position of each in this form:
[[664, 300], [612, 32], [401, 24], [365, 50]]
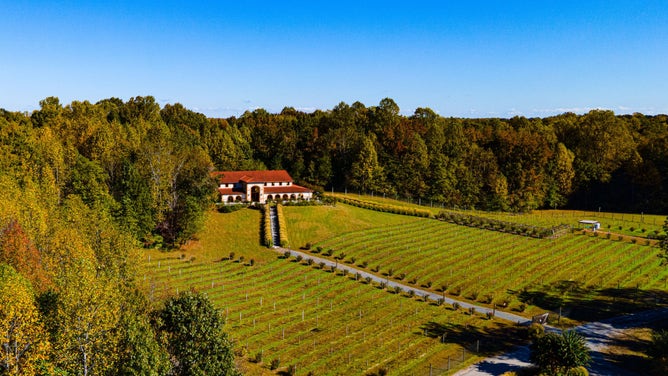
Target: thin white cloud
[[306, 109]]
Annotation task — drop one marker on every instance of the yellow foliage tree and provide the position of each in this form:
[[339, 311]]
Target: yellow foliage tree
[[89, 308], [23, 340]]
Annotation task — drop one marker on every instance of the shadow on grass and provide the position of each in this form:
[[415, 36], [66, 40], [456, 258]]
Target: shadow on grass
[[589, 303], [491, 340], [629, 351]]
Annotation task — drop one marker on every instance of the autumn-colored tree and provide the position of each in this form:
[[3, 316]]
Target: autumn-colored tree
[[23, 340], [19, 252], [88, 310]]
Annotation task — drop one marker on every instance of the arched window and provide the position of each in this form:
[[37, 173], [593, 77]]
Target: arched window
[[285, 197], [238, 198], [270, 198], [230, 198], [293, 197]]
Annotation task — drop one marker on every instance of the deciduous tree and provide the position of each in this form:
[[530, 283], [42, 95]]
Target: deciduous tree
[[23, 340], [194, 336]]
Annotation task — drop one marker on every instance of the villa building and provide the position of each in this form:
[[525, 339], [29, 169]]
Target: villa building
[[259, 186]]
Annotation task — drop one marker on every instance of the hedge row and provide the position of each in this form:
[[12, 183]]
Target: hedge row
[[282, 228], [385, 208], [266, 228], [502, 226]]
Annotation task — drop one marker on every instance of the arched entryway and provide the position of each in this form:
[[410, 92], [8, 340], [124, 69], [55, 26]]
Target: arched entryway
[[230, 198], [255, 193], [270, 198]]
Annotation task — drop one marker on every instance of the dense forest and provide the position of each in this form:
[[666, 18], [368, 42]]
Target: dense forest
[[83, 186], [591, 161]]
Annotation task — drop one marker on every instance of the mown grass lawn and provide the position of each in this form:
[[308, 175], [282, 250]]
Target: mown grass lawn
[[313, 223]]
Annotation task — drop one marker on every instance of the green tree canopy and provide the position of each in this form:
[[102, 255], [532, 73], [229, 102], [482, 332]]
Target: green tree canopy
[[556, 354], [194, 336]]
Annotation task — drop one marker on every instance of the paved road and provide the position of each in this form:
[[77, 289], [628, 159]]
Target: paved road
[[597, 334]]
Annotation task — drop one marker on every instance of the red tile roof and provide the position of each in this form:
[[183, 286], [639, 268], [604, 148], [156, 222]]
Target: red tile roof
[[230, 191], [268, 176], [268, 190], [286, 189]]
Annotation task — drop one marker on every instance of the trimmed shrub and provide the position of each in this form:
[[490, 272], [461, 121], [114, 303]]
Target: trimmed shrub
[[535, 330], [578, 371], [266, 228], [275, 363], [282, 228]]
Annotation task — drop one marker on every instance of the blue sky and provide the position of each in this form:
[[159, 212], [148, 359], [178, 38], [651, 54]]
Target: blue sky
[[460, 58]]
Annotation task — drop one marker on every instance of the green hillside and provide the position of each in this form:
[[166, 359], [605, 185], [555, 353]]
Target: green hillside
[[348, 326]]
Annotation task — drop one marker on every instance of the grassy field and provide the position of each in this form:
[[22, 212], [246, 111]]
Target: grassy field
[[587, 277], [639, 225], [316, 320], [328, 323], [311, 223]]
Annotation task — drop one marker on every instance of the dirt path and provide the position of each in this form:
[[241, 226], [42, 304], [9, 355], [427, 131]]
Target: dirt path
[[597, 334]]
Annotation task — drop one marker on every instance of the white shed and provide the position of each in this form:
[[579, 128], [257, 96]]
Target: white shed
[[595, 225]]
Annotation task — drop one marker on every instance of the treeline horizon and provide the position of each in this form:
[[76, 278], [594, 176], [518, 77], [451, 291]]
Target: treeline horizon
[[592, 161]]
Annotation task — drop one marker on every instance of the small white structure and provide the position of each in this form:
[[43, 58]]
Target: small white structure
[[259, 186], [594, 225]]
